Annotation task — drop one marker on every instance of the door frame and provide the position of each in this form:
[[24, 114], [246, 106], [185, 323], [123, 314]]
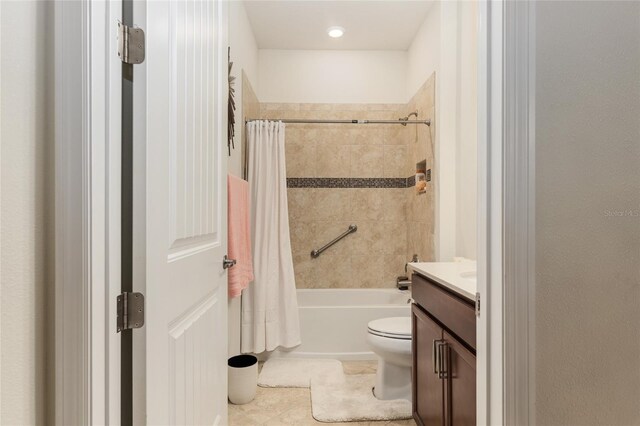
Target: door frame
[[489, 279], [87, 209], [87, 194], [506, 212], [87, 212]]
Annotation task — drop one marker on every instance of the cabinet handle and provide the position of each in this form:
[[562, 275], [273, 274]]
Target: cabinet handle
[[437, 357], [444, 361], [446, 375], [434, 356], [440, 361]]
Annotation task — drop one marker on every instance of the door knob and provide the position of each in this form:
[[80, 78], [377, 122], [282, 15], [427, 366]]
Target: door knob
[[227, 263]]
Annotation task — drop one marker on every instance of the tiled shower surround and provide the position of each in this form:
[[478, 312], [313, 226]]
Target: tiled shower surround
[[342, 174]]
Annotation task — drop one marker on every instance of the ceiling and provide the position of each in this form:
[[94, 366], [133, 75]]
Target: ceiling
[[369, 25]]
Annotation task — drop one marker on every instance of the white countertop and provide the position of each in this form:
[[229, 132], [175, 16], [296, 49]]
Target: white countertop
[[459, 277]]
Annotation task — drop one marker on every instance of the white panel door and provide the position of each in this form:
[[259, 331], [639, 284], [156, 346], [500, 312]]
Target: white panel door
[[181, 90]]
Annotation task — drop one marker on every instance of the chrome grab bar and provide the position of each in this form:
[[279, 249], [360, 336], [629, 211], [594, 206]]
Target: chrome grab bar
[[318, 252]]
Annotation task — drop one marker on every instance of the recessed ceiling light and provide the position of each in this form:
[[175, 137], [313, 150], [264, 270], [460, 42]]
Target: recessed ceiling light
[[335, 32]]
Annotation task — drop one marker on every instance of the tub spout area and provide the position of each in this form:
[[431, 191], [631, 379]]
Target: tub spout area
[[403, 283]]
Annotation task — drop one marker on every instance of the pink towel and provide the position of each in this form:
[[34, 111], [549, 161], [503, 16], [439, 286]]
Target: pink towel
[[241, 274]]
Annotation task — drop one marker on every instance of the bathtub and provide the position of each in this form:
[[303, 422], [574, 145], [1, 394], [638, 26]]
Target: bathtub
[[333, 322]]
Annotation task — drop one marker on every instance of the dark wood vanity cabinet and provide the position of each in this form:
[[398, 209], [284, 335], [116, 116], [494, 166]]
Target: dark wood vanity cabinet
[[461, 383], [444, 360], [428, 389]]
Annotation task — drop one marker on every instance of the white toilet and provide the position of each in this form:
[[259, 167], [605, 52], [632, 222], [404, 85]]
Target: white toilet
[[390, 340]]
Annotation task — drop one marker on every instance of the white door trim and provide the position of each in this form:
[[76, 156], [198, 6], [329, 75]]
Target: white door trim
[[519, 211], [489, 385], [506, 112], [87, 198]]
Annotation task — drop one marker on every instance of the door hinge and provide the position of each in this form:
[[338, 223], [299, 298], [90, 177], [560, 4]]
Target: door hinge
[[130, 311], [130, 44], [477, 304]]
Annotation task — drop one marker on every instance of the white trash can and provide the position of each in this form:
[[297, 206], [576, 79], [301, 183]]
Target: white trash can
[[243, 378]]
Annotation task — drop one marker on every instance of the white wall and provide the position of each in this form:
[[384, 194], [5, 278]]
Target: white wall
[[26, 197], [467, 137], [446, 43], [332, 76], [244, 54], [587, 136], [446, 140], [423, 56]]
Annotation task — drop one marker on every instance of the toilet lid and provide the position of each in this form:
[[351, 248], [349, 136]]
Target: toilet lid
[[395, 327]]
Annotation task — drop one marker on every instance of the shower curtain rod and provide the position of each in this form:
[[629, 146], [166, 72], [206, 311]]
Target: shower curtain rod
[[304, 121]]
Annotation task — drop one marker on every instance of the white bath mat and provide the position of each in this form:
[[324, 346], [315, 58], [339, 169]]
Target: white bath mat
[[297, 373], [353, 400]]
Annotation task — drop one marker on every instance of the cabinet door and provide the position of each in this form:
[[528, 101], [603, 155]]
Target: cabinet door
[[460, 384], [428, 400]]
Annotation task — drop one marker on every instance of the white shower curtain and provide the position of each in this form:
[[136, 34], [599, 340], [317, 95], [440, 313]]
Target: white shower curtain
[[269, 304]]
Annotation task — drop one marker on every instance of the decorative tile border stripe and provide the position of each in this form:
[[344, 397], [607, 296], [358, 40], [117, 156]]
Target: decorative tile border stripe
[[350, 182]]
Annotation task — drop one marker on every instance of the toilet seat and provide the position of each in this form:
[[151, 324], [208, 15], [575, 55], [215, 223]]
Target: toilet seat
[[391, 328]]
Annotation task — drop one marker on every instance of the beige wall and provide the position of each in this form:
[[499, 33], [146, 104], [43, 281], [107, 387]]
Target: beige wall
[[26, 268], [374, 255], [393, 223], [587, 294], [370, 258]]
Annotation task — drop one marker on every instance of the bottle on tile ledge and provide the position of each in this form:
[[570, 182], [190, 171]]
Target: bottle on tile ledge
[[421, 181]]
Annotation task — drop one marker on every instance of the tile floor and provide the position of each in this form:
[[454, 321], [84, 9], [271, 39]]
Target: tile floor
[[292, 406]]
